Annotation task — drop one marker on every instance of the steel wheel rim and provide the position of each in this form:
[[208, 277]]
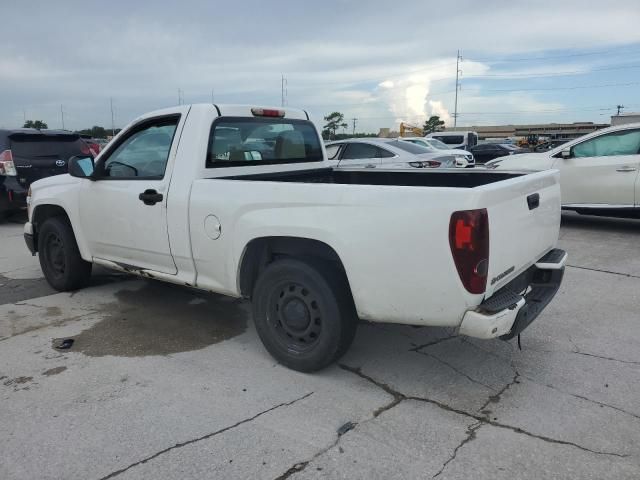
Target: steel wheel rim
[[295, 317], [54, 249]]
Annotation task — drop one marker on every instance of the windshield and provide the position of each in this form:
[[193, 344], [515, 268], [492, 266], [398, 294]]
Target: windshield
[[254, 141], [423, 143], [451, 139], [434, 142], [409, 147]]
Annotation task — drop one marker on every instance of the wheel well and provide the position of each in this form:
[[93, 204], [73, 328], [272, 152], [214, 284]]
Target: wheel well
[[41, 214], [260, 252]]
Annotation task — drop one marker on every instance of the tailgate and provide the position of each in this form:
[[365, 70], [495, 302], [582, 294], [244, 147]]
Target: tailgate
[[524, 223]]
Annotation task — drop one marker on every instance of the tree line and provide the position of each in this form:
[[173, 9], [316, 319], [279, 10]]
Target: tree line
[[335, 121], [95, 132]]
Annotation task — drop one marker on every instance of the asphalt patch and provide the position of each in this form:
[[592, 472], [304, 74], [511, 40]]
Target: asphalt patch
[[161, 319]]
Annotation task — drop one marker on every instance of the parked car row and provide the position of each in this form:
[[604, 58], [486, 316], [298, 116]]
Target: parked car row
[[392, 153]]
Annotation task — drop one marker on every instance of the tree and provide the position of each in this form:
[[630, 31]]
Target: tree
[[434, 124], [39, 124], [95, 132], [334, 121]]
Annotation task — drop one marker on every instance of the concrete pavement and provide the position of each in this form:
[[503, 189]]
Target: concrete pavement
[[167, 382]]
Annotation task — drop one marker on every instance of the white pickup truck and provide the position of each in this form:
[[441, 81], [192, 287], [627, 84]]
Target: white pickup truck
[[242, 201]]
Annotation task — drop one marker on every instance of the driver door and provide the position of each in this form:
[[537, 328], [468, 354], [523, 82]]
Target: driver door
[[601, 170], [124, 211]]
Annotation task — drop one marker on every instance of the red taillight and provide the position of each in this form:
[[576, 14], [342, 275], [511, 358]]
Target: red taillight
[[469, 241], [85, 150], [7, 167], [267, 112]]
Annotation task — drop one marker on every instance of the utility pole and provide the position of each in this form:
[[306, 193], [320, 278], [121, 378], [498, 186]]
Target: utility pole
[[113, 128], [180, 97], [354, 125], [458, 72], [283, 90], [212, 96], [620, 108], [24, 114], [62, 116]]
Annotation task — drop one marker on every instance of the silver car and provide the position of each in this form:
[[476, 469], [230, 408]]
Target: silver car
[[436, 145], [388, 153]]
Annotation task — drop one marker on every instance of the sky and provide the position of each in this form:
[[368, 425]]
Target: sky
[[378, 62]]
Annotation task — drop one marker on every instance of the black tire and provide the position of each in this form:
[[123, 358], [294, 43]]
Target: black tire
[[304, 313], [60, 259]]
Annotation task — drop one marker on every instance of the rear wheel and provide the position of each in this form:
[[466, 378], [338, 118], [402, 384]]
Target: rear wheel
[[303, 313], [60, 259]]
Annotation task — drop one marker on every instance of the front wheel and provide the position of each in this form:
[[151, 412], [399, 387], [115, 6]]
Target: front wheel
[[303, 313], [60, 259]]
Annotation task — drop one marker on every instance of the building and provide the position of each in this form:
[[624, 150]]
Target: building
[[624, 118], [553, 131]]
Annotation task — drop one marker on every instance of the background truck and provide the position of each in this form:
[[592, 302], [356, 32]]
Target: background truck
[[242, 201]]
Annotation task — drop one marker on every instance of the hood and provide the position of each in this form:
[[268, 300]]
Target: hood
[[64, 179], [523, 161], [458, 151]]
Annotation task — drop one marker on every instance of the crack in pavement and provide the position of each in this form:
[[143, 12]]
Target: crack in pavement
[[397, 398], [455, 369], [434, 342], [553, 387], [480, 418], [471, 436], [629, 362], [581, 397], [498, 396], [204, 437], [630, 275]]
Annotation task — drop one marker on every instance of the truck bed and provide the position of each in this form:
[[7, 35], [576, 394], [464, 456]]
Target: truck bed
[[468, 178]]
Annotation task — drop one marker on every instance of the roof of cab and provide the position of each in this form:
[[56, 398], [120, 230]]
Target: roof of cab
[[227, 110]]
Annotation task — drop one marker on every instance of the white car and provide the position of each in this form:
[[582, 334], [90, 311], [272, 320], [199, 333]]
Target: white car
[[389, 153], [599, 173], [456, 138], [436, 146], [242, 201]]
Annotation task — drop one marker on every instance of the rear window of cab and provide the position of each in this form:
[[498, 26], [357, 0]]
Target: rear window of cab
[[240, 141]]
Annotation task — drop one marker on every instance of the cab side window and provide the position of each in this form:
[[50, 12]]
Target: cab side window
[[332, 151], [144, 153], [619, 143]]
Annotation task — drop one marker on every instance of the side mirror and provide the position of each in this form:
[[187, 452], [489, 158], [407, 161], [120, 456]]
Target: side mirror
[[566, 153], [81, 167]]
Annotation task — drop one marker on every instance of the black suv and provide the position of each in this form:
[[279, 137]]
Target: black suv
[[27, 155]]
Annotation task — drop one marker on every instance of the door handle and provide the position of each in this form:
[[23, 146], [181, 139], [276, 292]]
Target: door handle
[[150, 197], [370, 165], [626, 169]]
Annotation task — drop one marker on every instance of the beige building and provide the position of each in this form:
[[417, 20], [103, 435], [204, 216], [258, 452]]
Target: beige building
[[624, 118], [565, 131]]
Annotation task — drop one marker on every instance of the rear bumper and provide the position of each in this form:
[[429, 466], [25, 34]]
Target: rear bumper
[[13, 196], [512, 308]]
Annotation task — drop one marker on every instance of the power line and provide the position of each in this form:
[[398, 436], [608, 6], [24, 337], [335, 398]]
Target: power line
[[553, 74], [527, 59], [577, 87]]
